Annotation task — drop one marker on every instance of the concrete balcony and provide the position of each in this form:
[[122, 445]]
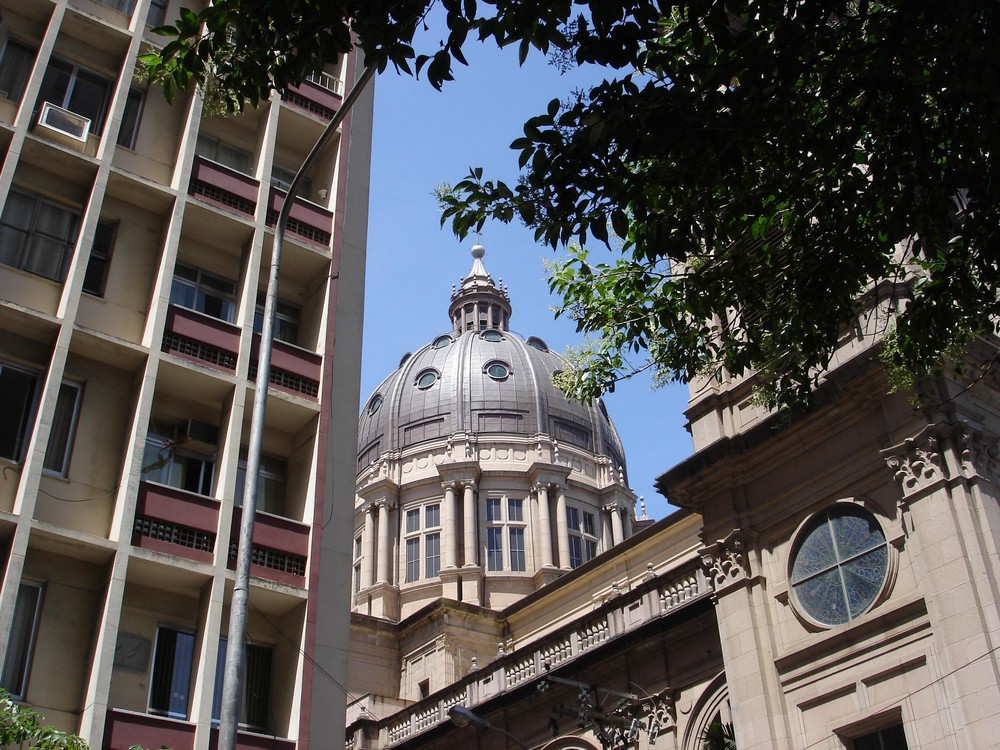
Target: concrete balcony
[[127, 728], [306, 221], [175, 522], [223, 187], [314, 98], [293, 369], [195, 336], [280, 548]]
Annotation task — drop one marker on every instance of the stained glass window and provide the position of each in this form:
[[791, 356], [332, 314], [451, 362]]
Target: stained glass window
[[840, 565]]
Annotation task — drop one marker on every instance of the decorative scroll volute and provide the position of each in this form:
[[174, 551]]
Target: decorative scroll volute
[[726, 561]]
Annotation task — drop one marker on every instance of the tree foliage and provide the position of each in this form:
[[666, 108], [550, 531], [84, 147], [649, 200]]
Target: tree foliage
[[22, 727], [754, 167]]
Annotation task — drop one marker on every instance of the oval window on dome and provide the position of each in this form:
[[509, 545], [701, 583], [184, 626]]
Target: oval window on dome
[[537, 343], [497, 370], [374, 404], [426, 379], [492, 335], [441, 342], [405, 357], [840, 565]]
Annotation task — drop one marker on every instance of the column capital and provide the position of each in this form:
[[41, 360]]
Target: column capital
[[612, 507], [383, 502], [451, 484]]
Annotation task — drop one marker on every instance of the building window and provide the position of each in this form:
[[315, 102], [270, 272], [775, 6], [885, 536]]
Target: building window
[[223, 153], [441, 342], [197, 290], [426, 379], [37, 235], [424, 534], [157, 13], [286, 320], [129, 129], [170, 683], [281, 178], [498, 371], [505, 519], [582, 538], [15, 68], [21, 646], [256, 684], [17, 408], [100, 258], [412, 559], [59, 448], [18, 401], [492, 335], [270, 484], [184, 468], [890, 738], [357, 564], [375, 404], [840, 565], [80, 91]]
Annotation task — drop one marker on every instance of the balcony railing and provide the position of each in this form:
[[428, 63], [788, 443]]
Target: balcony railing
[[125, 729], [224, 187], [306, 220], [280, 548], [175, 522], [314, 98], [196, 336], [293, 369], [630, 610], [251, 741]]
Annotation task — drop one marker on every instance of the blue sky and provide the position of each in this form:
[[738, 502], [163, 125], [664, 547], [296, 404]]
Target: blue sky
[[423, 138]]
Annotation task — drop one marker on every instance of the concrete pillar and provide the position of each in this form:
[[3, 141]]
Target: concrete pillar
[[469, 509], [384, 548], [628, 522], [367, 547], [449, 522], [545, 525], [562, 528], [617, 532]]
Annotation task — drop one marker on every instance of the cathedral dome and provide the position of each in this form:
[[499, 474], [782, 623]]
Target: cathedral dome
[[480, 377]]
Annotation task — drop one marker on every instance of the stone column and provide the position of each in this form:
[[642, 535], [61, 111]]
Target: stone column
[[628, 522], [469, 509], [384, 548], [545, 524], [367, 547], [562, 528], [449, 537], [617, 532]]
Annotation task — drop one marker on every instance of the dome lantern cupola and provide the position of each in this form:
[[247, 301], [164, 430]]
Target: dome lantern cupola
[[479, 304]]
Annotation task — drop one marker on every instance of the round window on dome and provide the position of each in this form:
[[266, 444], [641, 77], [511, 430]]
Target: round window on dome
[[840, 565], [537, 343], [492, 335], [374, 404], [426, 379], [441, 342], [497, 370]]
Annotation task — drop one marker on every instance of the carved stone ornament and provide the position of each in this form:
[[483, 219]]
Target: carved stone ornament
[[726, 561], [919, 465], [980, 455]]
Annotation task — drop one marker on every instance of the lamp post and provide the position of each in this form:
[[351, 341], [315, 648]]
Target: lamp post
[[462, 717]]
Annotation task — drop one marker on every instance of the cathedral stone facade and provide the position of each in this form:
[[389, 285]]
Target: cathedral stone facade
[[830, 581]]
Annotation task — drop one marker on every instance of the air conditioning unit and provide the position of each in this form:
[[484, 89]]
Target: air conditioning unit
[[63, 126]]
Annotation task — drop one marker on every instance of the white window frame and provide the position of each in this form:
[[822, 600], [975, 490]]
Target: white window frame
[[501, 525], [422, 539], [583, 545], [202, 289]]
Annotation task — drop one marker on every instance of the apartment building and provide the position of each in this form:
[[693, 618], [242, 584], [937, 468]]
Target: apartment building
[[134, 250]]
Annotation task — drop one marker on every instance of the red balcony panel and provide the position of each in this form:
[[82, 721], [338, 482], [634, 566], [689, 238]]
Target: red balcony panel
[[192, 335], [314, 98], [284, 543], [251, 741], [291, 360], [189, 522], [307, 220], [127, 728], [222, 186]]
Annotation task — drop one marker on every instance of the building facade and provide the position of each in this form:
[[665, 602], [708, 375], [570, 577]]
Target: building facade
[[830, 581], [134, 249]]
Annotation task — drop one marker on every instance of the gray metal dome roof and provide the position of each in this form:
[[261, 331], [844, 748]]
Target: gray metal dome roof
[[480, 378]]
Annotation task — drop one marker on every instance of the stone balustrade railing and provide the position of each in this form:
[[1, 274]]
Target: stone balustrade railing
[[629, 610]]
